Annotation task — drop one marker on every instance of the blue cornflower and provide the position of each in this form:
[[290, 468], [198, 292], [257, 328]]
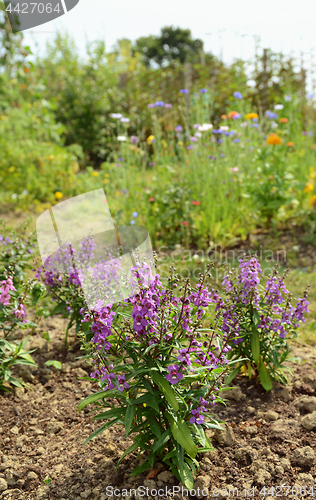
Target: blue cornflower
[[184, 91], [271, 115], [236, 140], [178, 128], [135, 214], [219, 131], [220, 141], [132, 222], [159, 103], [237, 95], [203, 91]]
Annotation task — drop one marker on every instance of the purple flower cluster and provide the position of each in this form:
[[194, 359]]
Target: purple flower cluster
[[5, 241], [5, 287], [203, 407], [276, 314]]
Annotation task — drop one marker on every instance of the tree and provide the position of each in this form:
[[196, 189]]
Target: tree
[[173, 44]]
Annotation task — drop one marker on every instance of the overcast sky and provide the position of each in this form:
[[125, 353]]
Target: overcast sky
[[283, 25]]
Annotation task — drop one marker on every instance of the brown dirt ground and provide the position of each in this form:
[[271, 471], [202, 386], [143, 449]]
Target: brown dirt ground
[[41, 436]]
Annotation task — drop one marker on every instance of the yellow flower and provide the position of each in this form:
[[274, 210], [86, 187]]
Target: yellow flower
[[105, 181], [308, 188], [11, 169], [3, 117], [273, 190], [95, 173], [58, 195], [180, 143], [312, 201], [251, 116], [150, 139], [51, 157], [274, 140], [106, 175], [117, 193], [144, 405], [312, 172]]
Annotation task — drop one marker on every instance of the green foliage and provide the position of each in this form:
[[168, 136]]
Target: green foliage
[[173, 44], [11, 354]]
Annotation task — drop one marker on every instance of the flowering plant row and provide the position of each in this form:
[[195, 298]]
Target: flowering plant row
[[163, 355]]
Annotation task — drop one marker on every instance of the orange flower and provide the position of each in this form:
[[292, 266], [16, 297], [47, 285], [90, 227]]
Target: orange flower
[[283, 120], [224, 117], [289, 144], [231, 114], [251, 116], [274, 140], [195, 202]]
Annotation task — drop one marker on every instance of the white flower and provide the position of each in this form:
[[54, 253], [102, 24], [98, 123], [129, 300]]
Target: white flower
[[244, 124], [116, 115], [14, 196], [198, 134], [205, 127], [274, 124], [121, 138], [278, 106], [225, 128], [125, 120], [288, 98]]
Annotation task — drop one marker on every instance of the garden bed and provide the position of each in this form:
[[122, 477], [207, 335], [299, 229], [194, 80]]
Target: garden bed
[[41, 436]]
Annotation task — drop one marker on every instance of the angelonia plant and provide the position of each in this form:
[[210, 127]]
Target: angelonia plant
[[16, 294], [263, 319], [63, 285], [160, 358]]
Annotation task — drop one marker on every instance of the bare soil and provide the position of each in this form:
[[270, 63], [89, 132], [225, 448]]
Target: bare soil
[[264, 444]]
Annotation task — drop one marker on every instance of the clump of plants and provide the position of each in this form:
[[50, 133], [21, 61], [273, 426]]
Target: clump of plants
[[16, 295], [161, 356], [263, 319]]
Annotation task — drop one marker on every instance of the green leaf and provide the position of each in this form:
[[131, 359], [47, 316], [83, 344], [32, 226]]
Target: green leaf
[[182, 435], [255, 345], [167, 390], [54, 363], [162, 441], [15, 381], [46, 336], [59, 308], [264, 376], [155, 429], [93, 398], [186, 476], [139, 442], [115, 412], [256, 317], [129, 418], [27, 357], [141, 468], [230, 377], [101, 429]]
